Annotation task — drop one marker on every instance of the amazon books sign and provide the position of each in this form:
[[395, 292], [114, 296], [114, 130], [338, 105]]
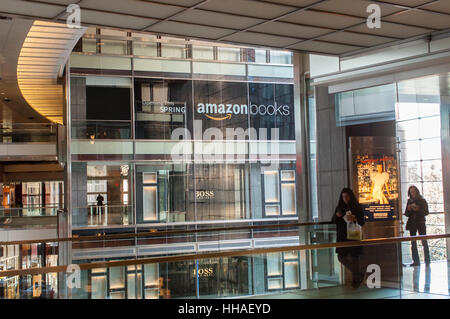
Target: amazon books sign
[[164, 105], [220, 112]]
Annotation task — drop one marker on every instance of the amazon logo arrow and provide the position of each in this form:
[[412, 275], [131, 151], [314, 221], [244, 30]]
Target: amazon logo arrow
[[228, 116]]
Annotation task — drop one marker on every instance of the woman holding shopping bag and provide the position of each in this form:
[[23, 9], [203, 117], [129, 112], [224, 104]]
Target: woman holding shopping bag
[[349, 218]]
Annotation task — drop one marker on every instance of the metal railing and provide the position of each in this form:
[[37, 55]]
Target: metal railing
[[257, 251]]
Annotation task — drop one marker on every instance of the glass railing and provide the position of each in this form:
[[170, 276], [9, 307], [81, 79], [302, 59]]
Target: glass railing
[[28, 133], [101, 129], [28, 217], [29, 211], [362, 269], [107, 215]]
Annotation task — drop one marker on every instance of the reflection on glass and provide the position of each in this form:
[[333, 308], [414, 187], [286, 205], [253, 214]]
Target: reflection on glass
[[271, 186], [274, 264], [150, 204]]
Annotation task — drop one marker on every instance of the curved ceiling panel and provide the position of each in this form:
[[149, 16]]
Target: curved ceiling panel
[[41, 62]]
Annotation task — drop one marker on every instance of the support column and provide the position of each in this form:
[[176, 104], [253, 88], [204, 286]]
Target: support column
[[445, 142], [300, 66], [332, 172]]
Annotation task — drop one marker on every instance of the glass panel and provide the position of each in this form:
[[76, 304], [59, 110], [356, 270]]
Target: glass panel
[[89, 45], [288, 197], [272, 210], [116, 277], [433, 192], [410, 151], [151, 275], [275, 283], [429, 109], [407, 111], [114, 47], [274, 267], [161, 107], [98, 287], [432, 171], [430, 127], [202, 52], [229, 54], [151, 293], [260, 56], [291, 254], [280, 57], [173, 51], [431, 148], [408, 130], [287, 176], [131, 286], [149, 178], [366, 105], [291, 274], [411, 171], [117, 294], [218, 68], [145, 48], [271, 186], [150, 203]]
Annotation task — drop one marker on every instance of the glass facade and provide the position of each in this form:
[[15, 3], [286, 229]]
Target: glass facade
[[416, 109], [201, 142]]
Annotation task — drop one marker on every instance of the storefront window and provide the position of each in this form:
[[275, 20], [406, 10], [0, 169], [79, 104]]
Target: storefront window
[[104, 200], [272, 110], [161, 191], [100, 108], [282, 270], [279, 192], [161, 106]]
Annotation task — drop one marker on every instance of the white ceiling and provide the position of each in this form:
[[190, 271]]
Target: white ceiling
[[322, 26]]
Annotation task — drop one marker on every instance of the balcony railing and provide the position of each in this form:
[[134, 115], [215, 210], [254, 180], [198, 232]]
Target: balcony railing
[[271, 272], [28, 133]]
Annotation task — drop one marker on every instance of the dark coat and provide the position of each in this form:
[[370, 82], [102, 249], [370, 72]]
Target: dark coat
[[341, 228], [416, 217]]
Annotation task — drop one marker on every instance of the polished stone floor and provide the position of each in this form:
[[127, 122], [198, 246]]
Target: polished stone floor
[[417, 283]]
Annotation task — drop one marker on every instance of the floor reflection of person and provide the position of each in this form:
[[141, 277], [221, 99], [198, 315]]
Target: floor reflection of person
[[349, 256], [380, 181], [416, 210]]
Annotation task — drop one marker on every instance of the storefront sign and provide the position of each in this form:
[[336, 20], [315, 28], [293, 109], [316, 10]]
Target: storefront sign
[[203, 272], [167, 107], [201, 195], [220, 112]]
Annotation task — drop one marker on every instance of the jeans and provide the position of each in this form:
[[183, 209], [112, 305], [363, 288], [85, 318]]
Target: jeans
[[421, 228]]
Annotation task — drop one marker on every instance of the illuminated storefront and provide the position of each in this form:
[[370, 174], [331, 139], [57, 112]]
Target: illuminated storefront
[[184, 134]]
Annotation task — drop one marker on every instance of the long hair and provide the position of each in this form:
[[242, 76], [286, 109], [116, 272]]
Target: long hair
[[417, 191], [353, 201]]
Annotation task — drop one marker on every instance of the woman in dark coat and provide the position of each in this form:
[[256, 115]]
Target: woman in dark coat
[[416, 210], [349, 256]]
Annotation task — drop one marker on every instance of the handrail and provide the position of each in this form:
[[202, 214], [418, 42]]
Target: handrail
[[228, 253], [155, 233]]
